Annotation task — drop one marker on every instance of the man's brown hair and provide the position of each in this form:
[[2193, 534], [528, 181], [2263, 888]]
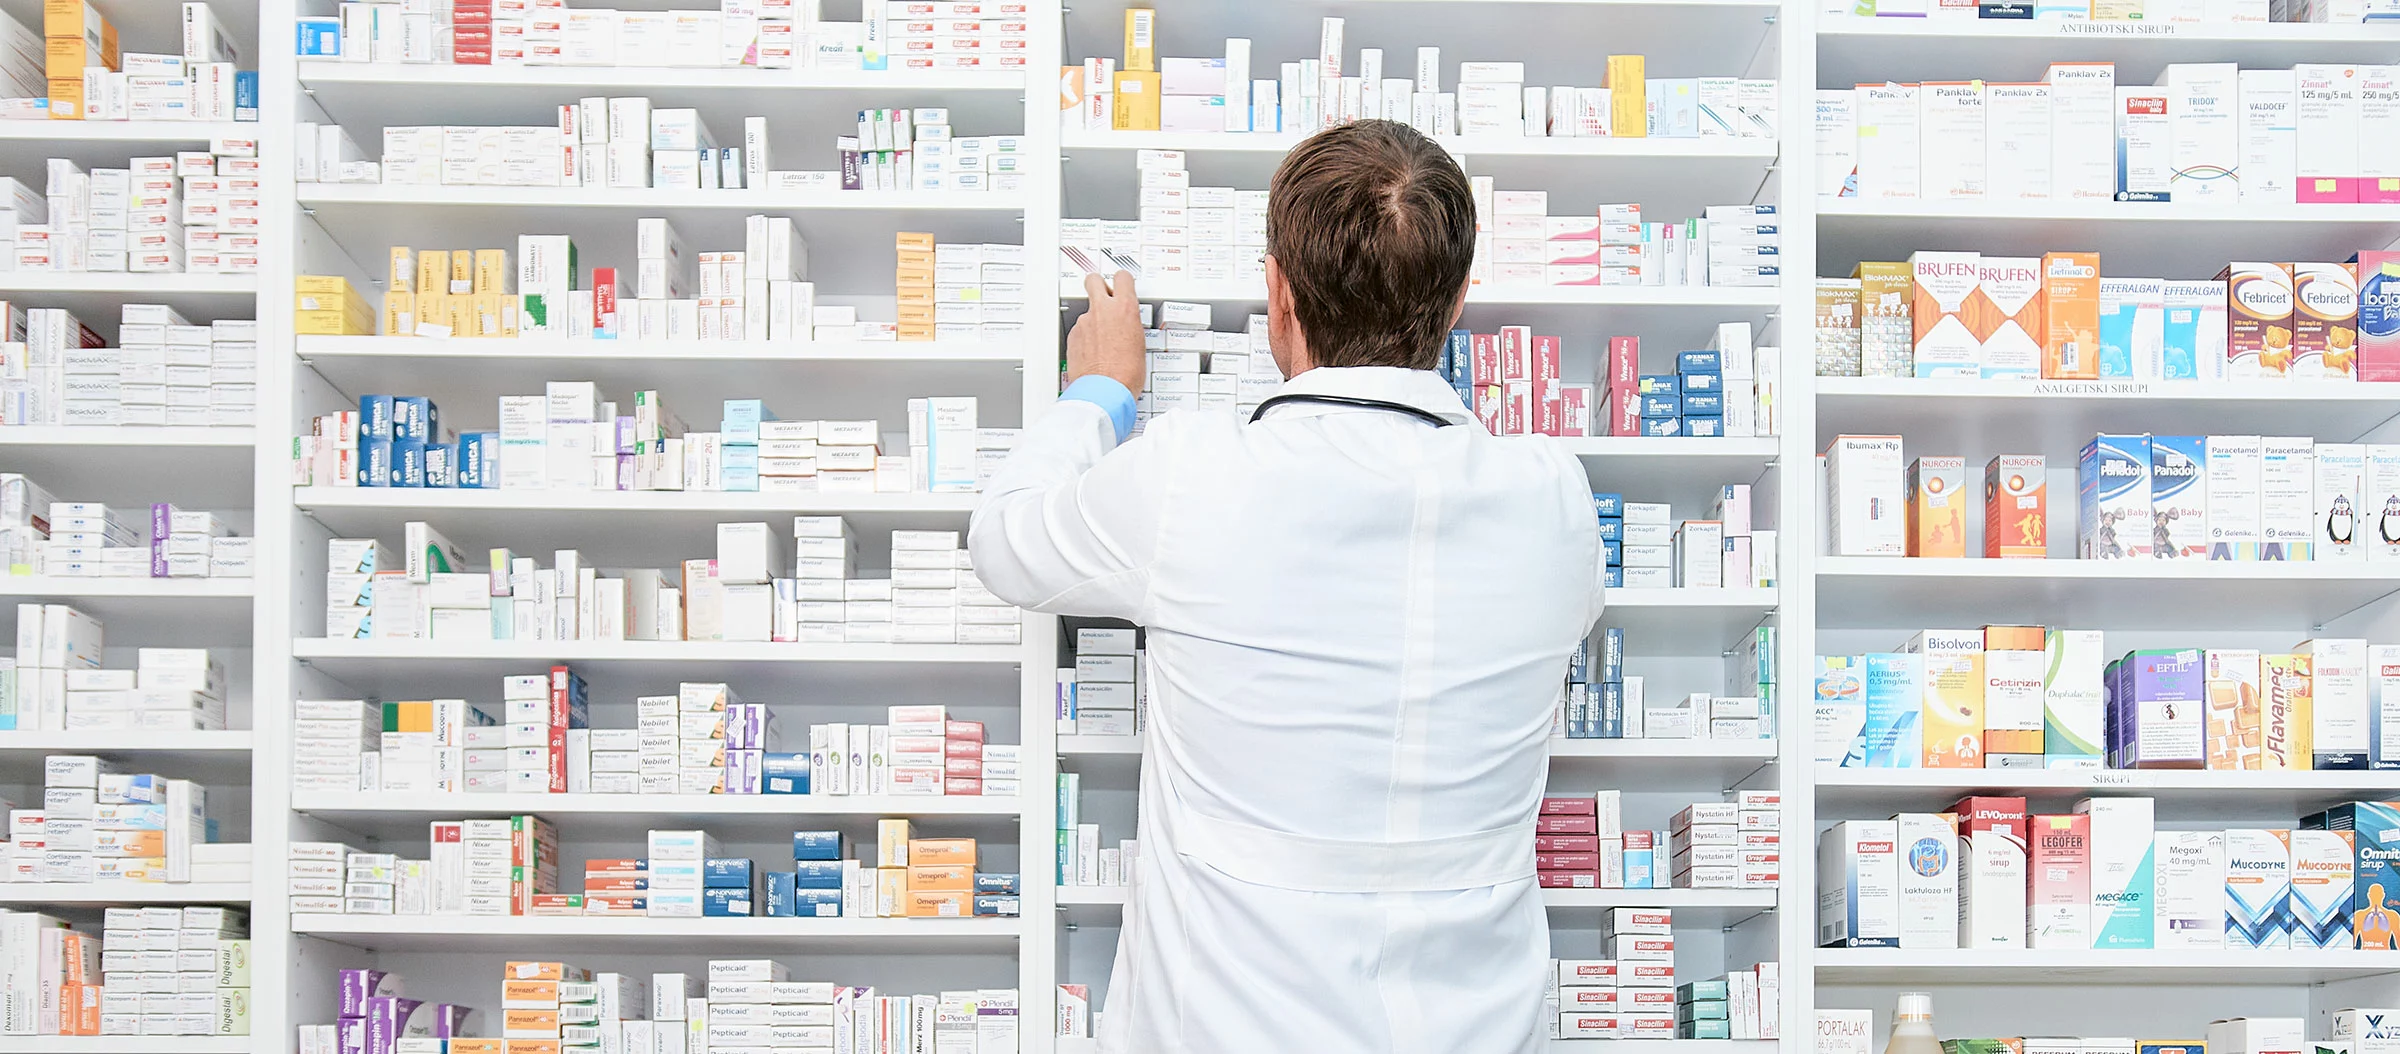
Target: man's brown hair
[[1374, 227]]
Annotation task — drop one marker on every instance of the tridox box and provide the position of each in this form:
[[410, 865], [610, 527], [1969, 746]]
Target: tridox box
[[1992, 871], [2113, 477], [2258, 887], [2178, 497], [2205, 142], [1944, 339], [2286, 703], [2123, 879], [2323, 871], [1858, 897], [2341, 733], [1926, 852], [2234, 478], [2059, 901], [2072, 698], [2016, 513], [2374, 829], [2190, 911]]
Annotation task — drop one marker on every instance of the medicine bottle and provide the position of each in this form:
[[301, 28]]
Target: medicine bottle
[[1912, 1026]]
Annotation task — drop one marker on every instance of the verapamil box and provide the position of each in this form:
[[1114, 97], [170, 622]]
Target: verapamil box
[[2071, 316], [2059, 912], [2016, 510]]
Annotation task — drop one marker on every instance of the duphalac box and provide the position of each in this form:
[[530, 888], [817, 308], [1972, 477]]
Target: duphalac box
[[2013, 679], [2323, 874], [2191, 889], [2258, 320], [2071, 316], [2234, 478], [1992, 872], [2231, 678], [1953, 708], [2059, 900], [1927, 854], [1937, 500], [2285, 714], [2258, 888], [2016, 513], [2383, 704], [2114, 484], [2124, 885], [1858, 877], [2341, 731], [2179, 497], [1895, 699], [2005, 314], [2374, 829], [1944, 343], [2072, 698], [2286, 497], [2378, 315], [2159, 711], [2324, 321]]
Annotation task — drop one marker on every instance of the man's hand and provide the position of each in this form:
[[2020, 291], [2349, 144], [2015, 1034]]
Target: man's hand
[[1107, 340]]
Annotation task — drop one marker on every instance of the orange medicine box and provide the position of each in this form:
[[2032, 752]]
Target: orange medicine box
[[940, 904], [941, 851], [520, 1046], [2071, 304], [2258, 320], [941, 878], [532, 1024], [1937, 502], [2016, 507], [539, 971], [465, 1045]]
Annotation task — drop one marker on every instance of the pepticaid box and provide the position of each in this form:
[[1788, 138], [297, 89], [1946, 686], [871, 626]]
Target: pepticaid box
[[2374, 828]]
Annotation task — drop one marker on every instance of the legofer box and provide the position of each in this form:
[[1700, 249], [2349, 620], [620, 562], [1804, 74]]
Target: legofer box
[[2059, 899], [1944, 342], [2124, 894], [1927, 865], [2016, 510], [1992, 872], [2258, 887], [2178, 497], [1937, 499], [2190, 910], [1858, 876], [2114, 485]]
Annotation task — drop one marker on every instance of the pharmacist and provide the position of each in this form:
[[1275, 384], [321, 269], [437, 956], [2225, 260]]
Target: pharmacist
[[1360, 607]]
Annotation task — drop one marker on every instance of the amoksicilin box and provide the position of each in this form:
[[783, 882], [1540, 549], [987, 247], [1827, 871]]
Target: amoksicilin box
[[2258, 888]]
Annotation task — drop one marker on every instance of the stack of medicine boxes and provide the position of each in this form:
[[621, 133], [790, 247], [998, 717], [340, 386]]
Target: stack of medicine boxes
[[914, 285], [329, 306], [1688, 402], [183, 544], [1610, 508], [351, 564], [211, 983], [368, 883], [1728, 845], [1702, 1011], [699, 750], [1566, 851], [738, 445], [314, 877], [51, 640], [679, 862], [1577, 716], [813, 888], [1745, 245], [90, 533], [1107, 682], [538, 1000], [1642, 941], [331, 740], [423, 748], [1649, 545], [616, 886], [537, 711], [822, 554], [663, 268]]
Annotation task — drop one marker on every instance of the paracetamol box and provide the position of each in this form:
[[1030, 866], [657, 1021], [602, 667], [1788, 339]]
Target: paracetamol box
[[2133, 328], [1858, 880], [2193, 344], [2113, 478], [2326, 122], [1953, 706], [2231, 678], [1943, 284], [1927, 863], [2124, 883], [2258, 888], [1895, 696], [2286, 497], [2374, 829], [2234, 478], [1992, 875], [2190, 911], [2323, 870], [2270, 150], [2203, 103], [2379, 513], [2378, 316], [2072, 698], [2006, 315], [2059, 898], [2179, 497], [2383, 704], [2286, 701], [2341, 731], [2341, 482], [2082, 130]]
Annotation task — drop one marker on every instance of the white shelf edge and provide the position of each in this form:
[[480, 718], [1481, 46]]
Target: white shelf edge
[[1761, 297], [2297, 572], [185, 283], [123, 892], [130, 1044], [135, 588], [2115, 33], [642, 926], [652, 651], [2002, 212], [440, 499], [1761, 599], [887, 351], [408, 195], [329, 71], [1628, 750], [125, 742], [2287, 391], [1471, 147], [1902, 780], [125, 436], [124, 131], [727, 805]]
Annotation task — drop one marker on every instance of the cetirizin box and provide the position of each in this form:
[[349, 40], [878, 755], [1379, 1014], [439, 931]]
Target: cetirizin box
[[2072, 698], [2114, 485], [1991, 861], [1945, 342], [2124, 886], [1895, 693], [2258, 888], [2286, 497], [2179, 497], [1953, 704], [2005, 314], [2285, 723], [2341, 732], [2231, 679], [2234, 472], [1858, 879], [1937, 500], [1927, 848], [2323, 870], [2191, 889], [2071, 316], [2013, 678], [2059, 911]]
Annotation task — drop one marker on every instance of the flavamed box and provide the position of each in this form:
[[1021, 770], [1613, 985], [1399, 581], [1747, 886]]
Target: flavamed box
[[2286, 713]]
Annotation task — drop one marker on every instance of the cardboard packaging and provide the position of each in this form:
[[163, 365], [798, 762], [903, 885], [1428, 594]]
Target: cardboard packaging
[[2378, 315], [2073, 694], [1864, 490], [2071, 316], [2005, 313], [1937, 499], [1944, 344], [1927, 854], [2059, 910], [2013, 678], [2341, 733], [2258, 888], [2016, 507], [2124, 890], [2178, 497], [1953, 715], [1992, 871], [2191, 890], [2231, 678], [2114, 487], [2258, 313], [2286, 724], [1858, 877], [2235, 475]]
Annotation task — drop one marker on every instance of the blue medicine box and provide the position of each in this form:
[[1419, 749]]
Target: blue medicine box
[[1005, 907], [817, 846], [1612, 655], [1704, 425], [817, 874], [1662, 405], [1608, 506], [1612, 529], [817, 903], [724, 903], [415, 417], [1657, 384], [1703, 404], [993, 883], [1662, 426], [1611, 707], [1699, 362], [318, 38], [1579, 662], [408, 463], [375, 463], [779, 894], [725, 873], [789, 774], [374, 417], [1703, 382], [441, 465], [245, 95], [1612, 552], [478, 460], [1612, 577], [741, 420]]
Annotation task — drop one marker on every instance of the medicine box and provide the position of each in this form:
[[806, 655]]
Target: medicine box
[[1858, 903]]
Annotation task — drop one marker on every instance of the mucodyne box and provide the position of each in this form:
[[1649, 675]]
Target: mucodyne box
[[2113, 477], [2232, 680], [2191, 890], [2284, 714], [2374, 828], [2234, 477], [1858, 878], [1992, 876], [1927, 854], [2258, 888], [2072, 698], [1895, 699], [2123, 881], [2341, 732], [2059, 901], [1953, 703], [2323, 875], [2179, 497]]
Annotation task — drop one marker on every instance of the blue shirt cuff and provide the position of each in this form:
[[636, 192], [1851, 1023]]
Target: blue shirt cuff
[[1108, 394]]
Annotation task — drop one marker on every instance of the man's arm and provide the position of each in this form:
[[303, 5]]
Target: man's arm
[[1069, 525]]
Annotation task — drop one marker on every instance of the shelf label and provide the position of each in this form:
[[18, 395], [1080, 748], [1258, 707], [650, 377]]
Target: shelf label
[[2119, 29], [2090, 388], [2120, 778]]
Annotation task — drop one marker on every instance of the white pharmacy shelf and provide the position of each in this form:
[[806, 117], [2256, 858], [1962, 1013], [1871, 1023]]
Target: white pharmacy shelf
[[1865, 592], [581, 814], [592, 651], [125, 436], [2164, 966], [130, 1045], [1471, 147], [1673, 621], [1854, 50], [1956, 413], [465, 669], [126, 282], [318, 73], [545, 198], [126, 131], [603, 933], [129, 588], [74, 894], [167, 612], [633, 524], [2131, 238], [1684, 470], [436, 499], [678, 352], [1662, 1046], [1713, 764], [211, 757], [1241, 292], [1846, 791], [1842, 211], [1692, 907]]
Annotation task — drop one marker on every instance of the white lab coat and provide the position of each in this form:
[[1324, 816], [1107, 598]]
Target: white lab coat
[[1358, 625]]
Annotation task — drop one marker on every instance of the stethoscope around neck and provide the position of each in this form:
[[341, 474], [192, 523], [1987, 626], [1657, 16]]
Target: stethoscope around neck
[[1354, 402]]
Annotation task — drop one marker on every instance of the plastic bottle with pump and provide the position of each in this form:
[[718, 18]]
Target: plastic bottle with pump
[[1912, 1026]]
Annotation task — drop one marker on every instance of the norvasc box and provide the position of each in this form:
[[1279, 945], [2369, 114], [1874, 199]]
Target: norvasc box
[[2258, 888], [2374, 828], [2114, 479], [2323, 873]]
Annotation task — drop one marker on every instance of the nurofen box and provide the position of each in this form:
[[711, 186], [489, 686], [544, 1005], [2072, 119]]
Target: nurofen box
[[2071, 316], [2258, 318], [2124, 891], [2286, 497], [2193, 342], [1992, 877], [2285, 724], [2340, 731], [2326, 123], [1944, 342], [2178, 497], [2072, 698], [1953, 708], [2133, 327], [1927, 854], [2323, 870], [2005, 314], [2231, 678], [2336, 508], [2383, 703], [2234, 478], [1895, 700], [2258, 888], [1858, 880], [2059, 899], [2374, 829], [2016, 509], [2191, 889], [2378, 276], [1937, 500], [2269, 149], [2113, 478]]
